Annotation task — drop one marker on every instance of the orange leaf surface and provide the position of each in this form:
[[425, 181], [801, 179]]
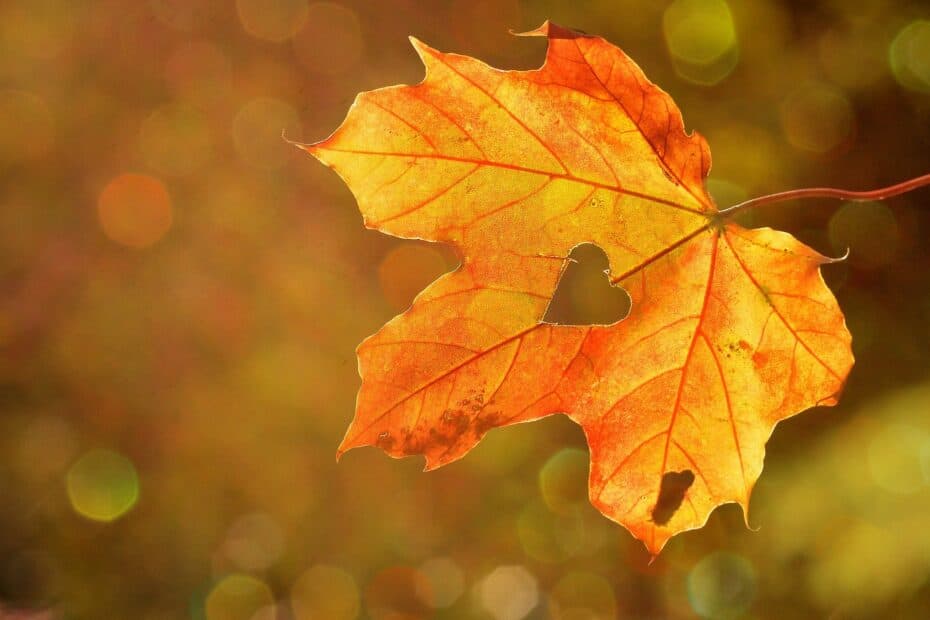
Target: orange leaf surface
[[730, 331]]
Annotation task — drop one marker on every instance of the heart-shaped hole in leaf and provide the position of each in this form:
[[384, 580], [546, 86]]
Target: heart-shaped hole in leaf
[[584, 295]]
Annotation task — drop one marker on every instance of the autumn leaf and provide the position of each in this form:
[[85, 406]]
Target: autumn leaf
[[730, 330]]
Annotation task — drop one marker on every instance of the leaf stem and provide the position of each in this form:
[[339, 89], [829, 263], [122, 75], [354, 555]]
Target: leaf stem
[[829, 192]]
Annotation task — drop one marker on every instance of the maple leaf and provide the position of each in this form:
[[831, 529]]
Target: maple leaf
[[730, 330]]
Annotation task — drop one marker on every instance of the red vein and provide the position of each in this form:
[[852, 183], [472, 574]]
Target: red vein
[[415, 129], [507, 421], [694, 465], [401, 343], [425, 202], [442, 376], [597, 150], [637, 123], [450, 118], [666, 250], [684, 370], [514, 167], [623, 462], [506, 373], [410, 166], [659, 330], [637, 388], [525, 127], [507, 205], [802, 298], [580, 205]]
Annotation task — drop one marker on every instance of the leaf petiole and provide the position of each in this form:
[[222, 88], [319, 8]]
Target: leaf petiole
[[828, 192]]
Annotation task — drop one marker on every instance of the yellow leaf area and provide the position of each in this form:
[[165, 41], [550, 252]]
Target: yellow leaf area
[[730, 331]]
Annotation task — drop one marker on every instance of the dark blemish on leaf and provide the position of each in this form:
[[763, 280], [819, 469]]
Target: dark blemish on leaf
[[760, 359], [385, 441], [414, 444], [442, 438], [491, 419], [668, 173], [671, 494], [765, 293], [455, 420], [729, 349]]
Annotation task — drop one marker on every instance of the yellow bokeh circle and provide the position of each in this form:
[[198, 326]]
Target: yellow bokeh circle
[[238, 597], [325, 592], [699, 31], [909, 56], [135, 210], [102, 485], [272, 20], [817, 118], [701, 38], [563, 480]]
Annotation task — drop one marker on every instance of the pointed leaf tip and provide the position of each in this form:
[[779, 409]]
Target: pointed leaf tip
[[552, 31], [424, 51]]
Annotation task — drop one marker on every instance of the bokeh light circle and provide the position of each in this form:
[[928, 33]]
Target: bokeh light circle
[[272, 20], [721, 585], [509, 593], [254, 542], [325, 592], [331, 41], [199, 73], [909, 56], [237, 597], [102, 485], [563, 480], [699, 31], [701, 38], [442, 584], [397, 592], [135, 210], [817, 118]]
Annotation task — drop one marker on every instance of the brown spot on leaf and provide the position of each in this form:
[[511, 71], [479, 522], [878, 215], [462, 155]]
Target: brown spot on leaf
[[490, 419], [385, 441]]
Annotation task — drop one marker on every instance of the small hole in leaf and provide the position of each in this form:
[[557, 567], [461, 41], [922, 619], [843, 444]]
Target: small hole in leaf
[[584, 295], [671, 494]]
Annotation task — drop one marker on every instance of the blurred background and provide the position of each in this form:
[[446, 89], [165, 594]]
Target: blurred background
[[181, 293]]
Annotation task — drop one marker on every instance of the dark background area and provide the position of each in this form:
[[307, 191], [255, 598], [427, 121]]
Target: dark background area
[[181, 293]]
